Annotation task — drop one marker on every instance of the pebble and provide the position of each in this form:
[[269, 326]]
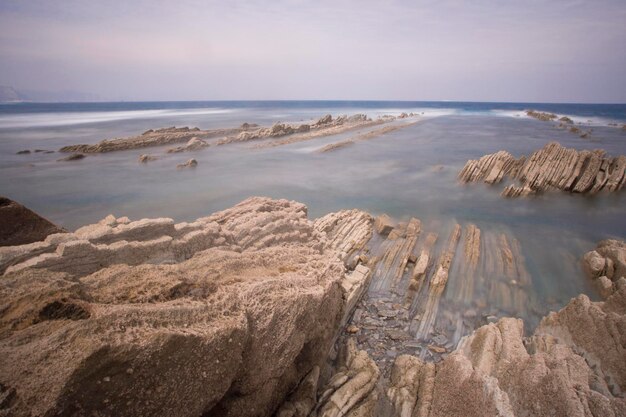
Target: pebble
[[352, 329]]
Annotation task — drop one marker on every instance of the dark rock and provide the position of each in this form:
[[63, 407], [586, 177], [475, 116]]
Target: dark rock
[[19, 225]]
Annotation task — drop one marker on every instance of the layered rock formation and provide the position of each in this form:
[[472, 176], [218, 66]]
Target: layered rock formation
[[573, 365], [551, 168], [19, 225], [366, 136], [155, 318], [158, 137]]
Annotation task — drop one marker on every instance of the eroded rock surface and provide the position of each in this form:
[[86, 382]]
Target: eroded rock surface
[[224, 316], [551, 168], [157, 137], [573, 365]]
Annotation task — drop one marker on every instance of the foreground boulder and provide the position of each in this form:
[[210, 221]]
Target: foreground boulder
[[19, 225], [551, 168], [224, 316]]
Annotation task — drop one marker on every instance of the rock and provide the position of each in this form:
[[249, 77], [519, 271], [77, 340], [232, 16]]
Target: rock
[[383, 224], [324, 120], [194, 144], [20, 226], [144, 158], [24, 152], [230, 315], [546, 117], [156, 137], [605, 286], [352, 329], [571, 366], [566, 119], [72, 157], [351, 391], [437, 349], [552, 167], [608, 259], [191, 163], [594, 264]]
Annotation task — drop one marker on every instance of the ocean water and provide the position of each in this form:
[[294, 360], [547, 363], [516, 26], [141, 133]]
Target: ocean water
[[407, 173]]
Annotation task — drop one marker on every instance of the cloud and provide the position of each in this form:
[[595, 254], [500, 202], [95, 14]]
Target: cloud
[[291, 49]]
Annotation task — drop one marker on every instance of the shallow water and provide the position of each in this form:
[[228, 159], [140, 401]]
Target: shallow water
[[407, 173]]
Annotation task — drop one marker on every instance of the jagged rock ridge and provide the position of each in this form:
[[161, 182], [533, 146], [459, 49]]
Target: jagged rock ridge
[[551, 168]]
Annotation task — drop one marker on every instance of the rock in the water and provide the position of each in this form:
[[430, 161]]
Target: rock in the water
[[194, 144], [543, 116], [191, 163], [144, 158], [24, 152], [383, 224], [72, 157], [229, 315], [20, 226], [608, 259], [552, 167]]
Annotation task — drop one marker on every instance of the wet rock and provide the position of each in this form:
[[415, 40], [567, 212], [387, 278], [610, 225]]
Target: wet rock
[[543, 116], [144, 158], [72, 157], [191, 163], [24, 152], [194, 144], [566, 119], [156, 137], [383, 224]]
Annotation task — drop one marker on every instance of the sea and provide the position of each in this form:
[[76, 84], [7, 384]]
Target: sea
[[411, 172]]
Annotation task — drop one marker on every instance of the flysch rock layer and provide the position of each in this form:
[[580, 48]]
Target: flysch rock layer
[[157, 137], [573, 365], [551, 168], [224, 316]]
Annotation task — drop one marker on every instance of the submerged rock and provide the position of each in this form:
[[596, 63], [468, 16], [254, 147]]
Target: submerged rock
[[72, 157], [552, 167], [24, 152], [191, 163], [145, 158], [194, 144], [21, 226]]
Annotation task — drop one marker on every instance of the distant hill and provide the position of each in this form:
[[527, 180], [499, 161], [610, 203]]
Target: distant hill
[[9, 95]]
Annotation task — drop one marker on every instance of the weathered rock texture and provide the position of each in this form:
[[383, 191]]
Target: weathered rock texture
[[158, 137], [224, 316], [606, 265], [19, 225], [573, 365], [366, 136], [551, 168]]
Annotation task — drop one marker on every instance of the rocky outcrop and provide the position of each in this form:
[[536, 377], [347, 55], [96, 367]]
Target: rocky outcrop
[[606, 265], [158, 137], [20, 226], [191, 163], [151, 317], [551, 168], [145, 158], [194, 144], [571, 366], [543, 116], [324, 126]]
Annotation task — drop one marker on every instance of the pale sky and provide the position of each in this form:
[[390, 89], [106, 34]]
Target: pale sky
[[532, 50]]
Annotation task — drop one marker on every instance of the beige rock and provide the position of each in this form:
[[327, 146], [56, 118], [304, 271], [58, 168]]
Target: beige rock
[[243, 285], [383, 224], [191, 163], [552, 167], [144, 158]]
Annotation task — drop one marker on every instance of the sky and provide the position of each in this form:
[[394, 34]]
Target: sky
[[480, 50]]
